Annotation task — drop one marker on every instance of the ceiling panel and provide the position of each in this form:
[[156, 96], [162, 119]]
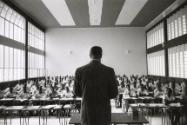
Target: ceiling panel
[[111, 10], [80, 12], [37, 10], [151, 10]]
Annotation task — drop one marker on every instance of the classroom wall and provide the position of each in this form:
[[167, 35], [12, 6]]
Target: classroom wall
[[124, 49]]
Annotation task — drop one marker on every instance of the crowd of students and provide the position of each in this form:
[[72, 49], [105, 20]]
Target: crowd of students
[[166, 92], [62, 86], [135, 86], [50, 87], [132, 86]]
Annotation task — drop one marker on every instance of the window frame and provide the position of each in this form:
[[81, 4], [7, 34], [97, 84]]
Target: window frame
[[168, 43], [12, 43]]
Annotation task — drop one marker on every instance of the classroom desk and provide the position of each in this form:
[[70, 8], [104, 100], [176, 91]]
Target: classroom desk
[[38, 101], [116, 118]]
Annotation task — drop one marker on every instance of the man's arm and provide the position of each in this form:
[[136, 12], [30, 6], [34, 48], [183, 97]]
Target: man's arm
[[77, 87], [113, 86]]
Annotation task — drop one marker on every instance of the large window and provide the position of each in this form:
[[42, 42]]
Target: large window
[[36, 65], [13, 49], [12, 24], [155, 36], [178, 61], [36, 53], [177, 24], [12, 63], [156, 63], [12, 54], [175, 46], [36, 37]]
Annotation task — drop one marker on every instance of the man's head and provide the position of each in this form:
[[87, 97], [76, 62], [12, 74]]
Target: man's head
[[96, 52]]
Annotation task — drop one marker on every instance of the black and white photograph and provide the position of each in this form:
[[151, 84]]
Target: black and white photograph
[[93, 62]]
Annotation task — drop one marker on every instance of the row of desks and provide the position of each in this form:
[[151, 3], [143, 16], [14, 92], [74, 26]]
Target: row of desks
[[156, 105], [42, 99], [23, 113], [12, 101]]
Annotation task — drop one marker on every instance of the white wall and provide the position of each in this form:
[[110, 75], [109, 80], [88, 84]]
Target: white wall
[[68, 48]]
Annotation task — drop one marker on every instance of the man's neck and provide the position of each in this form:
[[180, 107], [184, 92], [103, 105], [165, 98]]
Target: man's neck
[[99, 60]]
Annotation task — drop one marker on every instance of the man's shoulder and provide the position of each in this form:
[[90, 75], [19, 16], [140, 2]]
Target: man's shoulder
[[82, 67], [107, 67]]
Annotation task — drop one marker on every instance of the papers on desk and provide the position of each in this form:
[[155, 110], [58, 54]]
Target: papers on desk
[[2, 107], [138, 105], [47, 107], [32, 108], [175, 105], [156, 105], [15, 108], [58, 107], [7, 99], [134, 98]]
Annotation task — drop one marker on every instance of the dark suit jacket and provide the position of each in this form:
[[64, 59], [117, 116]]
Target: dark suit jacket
[[96, 84]]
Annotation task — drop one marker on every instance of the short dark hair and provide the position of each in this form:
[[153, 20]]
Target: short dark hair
[[96, 52]]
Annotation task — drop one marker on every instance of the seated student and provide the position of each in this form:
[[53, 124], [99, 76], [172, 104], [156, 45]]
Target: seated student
[[178, 89], [48, 91], [158, 92], [150, 87], [66, 93], [184, 100], [18, 90], [7, 93], [172, 87], [142, 91], [121, 88], [29, 85], [169, 97], [1, 94], [34, 91], [133, 89], [126, 93], [174, 114]]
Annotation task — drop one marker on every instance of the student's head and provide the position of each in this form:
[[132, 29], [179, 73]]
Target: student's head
[[158, 85], [172, 84], [67, 89], [96, 52], [184, 87], [168, 92]]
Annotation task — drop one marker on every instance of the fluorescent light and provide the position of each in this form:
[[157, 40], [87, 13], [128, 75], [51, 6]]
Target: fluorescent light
[[95, 11], [129, 11], [60, 11]]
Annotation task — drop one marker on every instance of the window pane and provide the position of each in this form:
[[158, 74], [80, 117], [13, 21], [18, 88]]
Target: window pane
[[1, 56], [11, 31], [9, 14], [154, 37], [1, 75], [12, 24], [7, 54], [7, 29], [177, 61], [2, 26], [177, 24], [156, 63], [4, 11]]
